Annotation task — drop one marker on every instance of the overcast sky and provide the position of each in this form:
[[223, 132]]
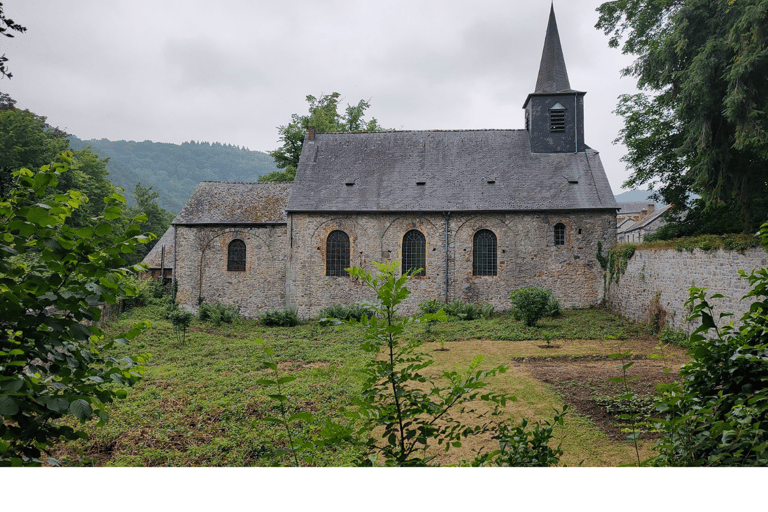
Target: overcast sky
[[231, 71]]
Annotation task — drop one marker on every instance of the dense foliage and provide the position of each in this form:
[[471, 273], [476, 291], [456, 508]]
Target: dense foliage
[[457, 309], [325, 117], [175, 170], [53, 278], [27, 141], [700, 124], [718, 414], [531, 303]]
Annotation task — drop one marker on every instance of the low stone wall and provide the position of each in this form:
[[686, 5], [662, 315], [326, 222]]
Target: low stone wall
[[665, 276]]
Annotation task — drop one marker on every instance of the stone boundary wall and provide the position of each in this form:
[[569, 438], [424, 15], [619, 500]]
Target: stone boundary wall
[[668, 274]]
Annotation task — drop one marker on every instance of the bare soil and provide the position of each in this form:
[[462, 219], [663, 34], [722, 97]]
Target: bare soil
[[580, 379]]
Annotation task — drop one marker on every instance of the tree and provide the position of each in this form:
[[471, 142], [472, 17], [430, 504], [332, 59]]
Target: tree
[[325, 117], [26, 141], [53, 279], [700, 125], [158, 218], [7, 24]]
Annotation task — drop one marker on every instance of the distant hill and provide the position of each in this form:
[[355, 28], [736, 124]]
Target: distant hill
[[175, 170], [636, 196]]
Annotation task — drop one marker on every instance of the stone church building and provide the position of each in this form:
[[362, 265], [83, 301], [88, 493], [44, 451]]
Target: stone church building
[[482, 212]]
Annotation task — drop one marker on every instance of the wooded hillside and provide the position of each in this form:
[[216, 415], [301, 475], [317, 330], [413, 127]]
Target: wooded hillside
[[175, 170]]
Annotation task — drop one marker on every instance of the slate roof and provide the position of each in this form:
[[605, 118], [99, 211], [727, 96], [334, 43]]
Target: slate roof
[[553, 77], [219, 202], [647, 220], [154, 257], [382, 171], [633, 206]]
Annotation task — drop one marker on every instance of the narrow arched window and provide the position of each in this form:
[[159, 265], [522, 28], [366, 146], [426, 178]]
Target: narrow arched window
[[336, 253], [484, 253], [559, 234], [236, 255], [415, 252]]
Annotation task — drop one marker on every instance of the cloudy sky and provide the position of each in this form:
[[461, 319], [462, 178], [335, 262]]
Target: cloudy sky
[[231, 71]]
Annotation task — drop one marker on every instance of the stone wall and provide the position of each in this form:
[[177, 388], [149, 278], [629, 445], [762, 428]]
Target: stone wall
[[666, 276], [526, 256], [201, 267]]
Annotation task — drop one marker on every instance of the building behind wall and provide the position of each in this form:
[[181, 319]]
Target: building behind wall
[[482, 212]]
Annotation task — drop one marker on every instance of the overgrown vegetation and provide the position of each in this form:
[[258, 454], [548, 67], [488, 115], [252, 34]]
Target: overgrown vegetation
[[355, 311], [215, 313], [457, 309], [280, 318], [53, 277]]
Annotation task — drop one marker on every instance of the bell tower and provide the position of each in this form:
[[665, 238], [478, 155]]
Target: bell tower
[[554, 113]]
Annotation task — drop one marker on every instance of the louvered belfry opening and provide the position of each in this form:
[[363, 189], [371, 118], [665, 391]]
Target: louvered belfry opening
[[415, 252], [236, 255], [337, 254], [484, 253]]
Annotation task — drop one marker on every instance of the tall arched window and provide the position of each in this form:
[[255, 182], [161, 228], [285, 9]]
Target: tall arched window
[[336, 253], [484, 253], [236, 255], [415, 252], [559, 234]]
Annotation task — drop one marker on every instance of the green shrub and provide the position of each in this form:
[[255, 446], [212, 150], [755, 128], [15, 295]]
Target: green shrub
[[717, 414], [181, 320], [430, 307], [344, 313], [457, 309], [553, 306], [674, 336], [280, 318], [530, 304], [360, 308], [216, 313]]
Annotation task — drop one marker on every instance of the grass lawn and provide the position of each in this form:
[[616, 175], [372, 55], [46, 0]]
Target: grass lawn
[[199, 404]]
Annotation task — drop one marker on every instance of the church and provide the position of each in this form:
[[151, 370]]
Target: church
[[480, 212]]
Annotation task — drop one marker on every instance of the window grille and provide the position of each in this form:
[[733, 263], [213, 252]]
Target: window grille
[[415, 252], [336, 254], [556, 120], [484, 253], [559, 234], [236, 255]]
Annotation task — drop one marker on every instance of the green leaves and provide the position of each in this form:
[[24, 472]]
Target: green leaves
[[49, 351]]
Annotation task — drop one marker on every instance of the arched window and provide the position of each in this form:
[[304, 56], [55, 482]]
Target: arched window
[[559, 234], [484, 253], [336, 253], [236, 255], [415, 252]]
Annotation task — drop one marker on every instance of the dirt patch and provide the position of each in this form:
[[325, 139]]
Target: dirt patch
[[294, 365], [582, 381]]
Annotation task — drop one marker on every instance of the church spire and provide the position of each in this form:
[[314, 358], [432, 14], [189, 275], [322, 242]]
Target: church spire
[[553, 77]]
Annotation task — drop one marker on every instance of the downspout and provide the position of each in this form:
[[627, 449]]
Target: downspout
[[447, 218]]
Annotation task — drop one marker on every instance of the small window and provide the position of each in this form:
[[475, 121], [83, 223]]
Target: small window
[[415, 252], [337, 254], [559, 234], [236, 256], [557, 118], [484, 253]]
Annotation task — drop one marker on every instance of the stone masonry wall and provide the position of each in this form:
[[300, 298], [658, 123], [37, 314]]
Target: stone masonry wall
[[526, 256], [669, 274], [201, 267]]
